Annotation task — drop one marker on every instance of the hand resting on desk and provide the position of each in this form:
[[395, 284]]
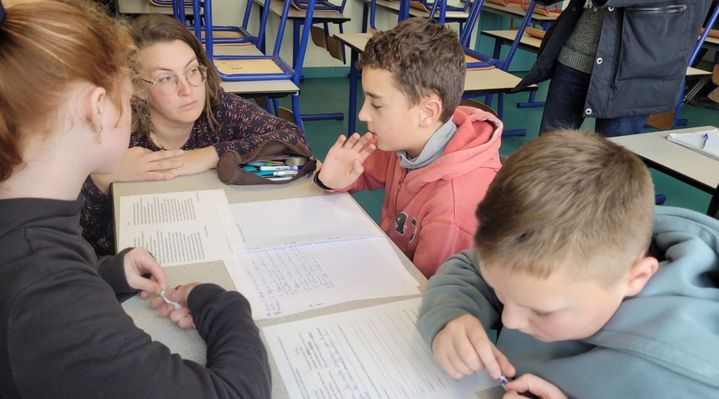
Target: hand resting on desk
[[343, 163], [141, 164]]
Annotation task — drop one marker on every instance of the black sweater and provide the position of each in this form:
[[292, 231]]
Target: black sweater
[[63, 333]]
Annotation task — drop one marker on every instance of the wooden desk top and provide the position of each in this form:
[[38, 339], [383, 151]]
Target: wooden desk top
[[143, 7], [527, 41], [690, 166], [319, 15], [394, 7], [533, 43], [712, 42], [285, 86], [515, 10], [188, 343], [691, 71], [479, 80]]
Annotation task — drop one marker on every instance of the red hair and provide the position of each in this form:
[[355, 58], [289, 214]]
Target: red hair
[[44, 46]]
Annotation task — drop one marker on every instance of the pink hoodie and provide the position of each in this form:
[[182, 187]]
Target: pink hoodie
[[429, 212]]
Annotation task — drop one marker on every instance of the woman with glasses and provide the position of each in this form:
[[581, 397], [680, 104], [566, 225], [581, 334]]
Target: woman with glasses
[[65, 89], [182, 121]]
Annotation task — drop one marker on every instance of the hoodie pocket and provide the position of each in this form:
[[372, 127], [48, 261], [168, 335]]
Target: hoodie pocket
[[654, 42]]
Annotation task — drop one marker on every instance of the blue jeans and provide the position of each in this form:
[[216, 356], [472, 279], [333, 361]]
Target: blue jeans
[[564, 107]]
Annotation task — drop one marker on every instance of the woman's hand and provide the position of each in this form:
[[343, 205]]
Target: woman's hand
[[140, 164]]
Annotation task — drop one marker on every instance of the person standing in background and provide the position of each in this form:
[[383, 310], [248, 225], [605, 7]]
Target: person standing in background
[[615, 60]]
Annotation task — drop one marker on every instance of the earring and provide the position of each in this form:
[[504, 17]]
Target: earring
[[98, 133]]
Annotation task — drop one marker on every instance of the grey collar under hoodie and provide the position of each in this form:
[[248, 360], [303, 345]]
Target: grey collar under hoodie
[[432, 150]]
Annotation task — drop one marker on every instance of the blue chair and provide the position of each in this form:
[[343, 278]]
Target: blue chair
[[243, 68], [692, 60], [201, 24]]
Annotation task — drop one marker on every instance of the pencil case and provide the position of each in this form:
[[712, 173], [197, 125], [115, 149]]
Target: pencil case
[[232, 167]]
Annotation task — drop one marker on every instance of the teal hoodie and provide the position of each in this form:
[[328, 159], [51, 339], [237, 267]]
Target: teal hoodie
[[662, 343]]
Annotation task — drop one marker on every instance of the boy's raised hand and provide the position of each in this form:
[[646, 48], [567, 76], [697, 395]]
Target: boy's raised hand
[[532, 385], [462, 348], [343, 163]]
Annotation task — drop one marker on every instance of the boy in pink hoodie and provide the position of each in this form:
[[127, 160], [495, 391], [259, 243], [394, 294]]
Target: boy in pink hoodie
[[435, 159]]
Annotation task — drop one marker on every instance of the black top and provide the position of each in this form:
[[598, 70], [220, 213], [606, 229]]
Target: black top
[[63, 334]]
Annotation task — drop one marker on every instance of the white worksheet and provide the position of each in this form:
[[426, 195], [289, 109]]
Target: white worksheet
[[705, 142], [373, 352], [297, 221], [283, 281], [179, 228]]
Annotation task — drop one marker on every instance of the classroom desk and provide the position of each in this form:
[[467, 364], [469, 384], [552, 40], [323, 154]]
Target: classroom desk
[[188, 343], [673, 159], [317, 16], [257, 87], [136, 7], [298, 18], [531, 43], [712, 42], [514, 10], [476, 82], [394, 7]]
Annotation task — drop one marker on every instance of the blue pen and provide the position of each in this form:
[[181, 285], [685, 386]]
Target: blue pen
[[503, 381], [705, 138]]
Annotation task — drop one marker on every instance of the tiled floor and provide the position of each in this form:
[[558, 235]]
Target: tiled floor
[[330, 95]]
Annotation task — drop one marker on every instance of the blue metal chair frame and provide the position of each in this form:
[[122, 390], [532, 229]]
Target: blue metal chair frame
[[494, 60], [692, 60], [200, 23], [288, 72], [320, 5], [437, 10]]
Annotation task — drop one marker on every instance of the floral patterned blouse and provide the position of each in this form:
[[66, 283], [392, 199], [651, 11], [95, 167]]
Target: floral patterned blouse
[[242, 126]]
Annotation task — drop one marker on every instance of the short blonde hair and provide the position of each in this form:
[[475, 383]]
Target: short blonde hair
[[567, 198]]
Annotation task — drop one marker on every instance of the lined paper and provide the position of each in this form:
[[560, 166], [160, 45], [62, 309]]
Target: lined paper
[[374, 352]]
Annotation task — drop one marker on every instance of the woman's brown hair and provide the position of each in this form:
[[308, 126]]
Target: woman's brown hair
[[44, 46], [154, 28]]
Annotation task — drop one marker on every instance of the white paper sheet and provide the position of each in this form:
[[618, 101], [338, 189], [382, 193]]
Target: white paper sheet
[[307, 220], [374, 352], [179, 228], [696, 141], [283, 281]]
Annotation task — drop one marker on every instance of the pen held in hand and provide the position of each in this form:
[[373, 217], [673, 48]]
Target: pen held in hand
[[169, 302]]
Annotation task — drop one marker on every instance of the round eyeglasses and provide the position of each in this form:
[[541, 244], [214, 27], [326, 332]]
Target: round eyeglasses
[[169, 82]]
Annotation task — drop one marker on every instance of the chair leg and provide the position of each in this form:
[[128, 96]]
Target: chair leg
[[296, 112]]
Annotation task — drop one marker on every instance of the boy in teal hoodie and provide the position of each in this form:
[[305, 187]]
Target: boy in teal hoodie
[[594, 292]]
